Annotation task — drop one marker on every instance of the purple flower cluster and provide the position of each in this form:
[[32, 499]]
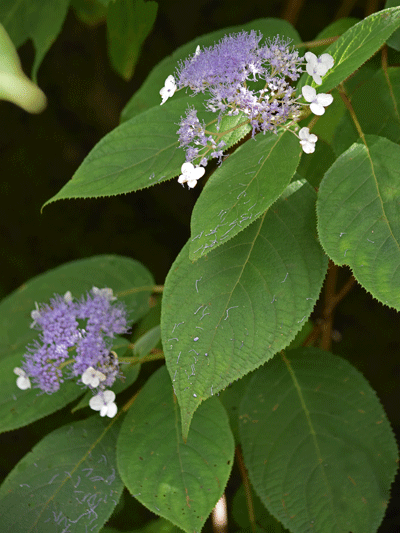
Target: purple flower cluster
[[78, 333], [228, 72]]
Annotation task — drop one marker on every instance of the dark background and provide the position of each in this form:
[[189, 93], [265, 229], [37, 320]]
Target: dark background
[[39, 154]]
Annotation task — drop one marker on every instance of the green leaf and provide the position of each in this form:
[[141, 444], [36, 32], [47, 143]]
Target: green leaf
[[90, 12], [137, 154], [18, 407], [130, 281], [181, 481], [394, 40], [149, 93], [358, 211], [313, 166], [40, 20], [354, 47], [240, 513], [245, 186], [228, 313], [128, 24], [68, 482], [231, 398], [147, 342], [15, 87], [375, 104], [336, 28], [159, 526], [317, 444]]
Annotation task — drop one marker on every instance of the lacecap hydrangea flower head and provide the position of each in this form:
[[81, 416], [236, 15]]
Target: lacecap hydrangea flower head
[[228, 73], [75, 341]]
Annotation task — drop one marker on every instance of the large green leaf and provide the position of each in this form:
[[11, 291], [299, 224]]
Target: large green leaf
[[231, 311], [149, 93], [355, 46], [128, 24], [317, 444], [68, 482], [138, 154], [358, 210], [375, 104], [181, 481], [40, 20], [247, 183], [131, 283]]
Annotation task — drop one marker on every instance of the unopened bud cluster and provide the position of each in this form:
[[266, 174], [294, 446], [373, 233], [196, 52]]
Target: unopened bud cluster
[[228, 72], [75, 342]]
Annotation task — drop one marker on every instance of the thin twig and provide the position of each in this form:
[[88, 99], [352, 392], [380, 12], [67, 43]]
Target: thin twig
[[247, 488]]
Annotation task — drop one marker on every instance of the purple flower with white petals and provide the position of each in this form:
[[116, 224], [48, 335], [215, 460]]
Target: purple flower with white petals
[[227, 73], [78, 334]]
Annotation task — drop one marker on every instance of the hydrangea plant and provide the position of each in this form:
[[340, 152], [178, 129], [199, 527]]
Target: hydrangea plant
[[237, 368]]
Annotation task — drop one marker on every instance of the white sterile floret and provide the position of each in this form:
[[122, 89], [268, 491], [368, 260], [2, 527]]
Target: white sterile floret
[[190, 174], [35, 315], [92, 377], [168, 90], [197, 52], [307, 140], [23, 381], [318, 66], [68, 297], [104, 402], [317, 101], [104, 293]]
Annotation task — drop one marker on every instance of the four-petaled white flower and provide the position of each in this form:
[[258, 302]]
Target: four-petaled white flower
[[104, 402], [318, 66], [190, 174], [317, 101], [168, 90], [23, 381], [92, 377], [307, 140]]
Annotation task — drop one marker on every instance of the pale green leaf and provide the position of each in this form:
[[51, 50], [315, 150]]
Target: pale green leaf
[[14, 85], [180, 481], [40, 21], [358, 211], [231, 311], [317, 444]]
